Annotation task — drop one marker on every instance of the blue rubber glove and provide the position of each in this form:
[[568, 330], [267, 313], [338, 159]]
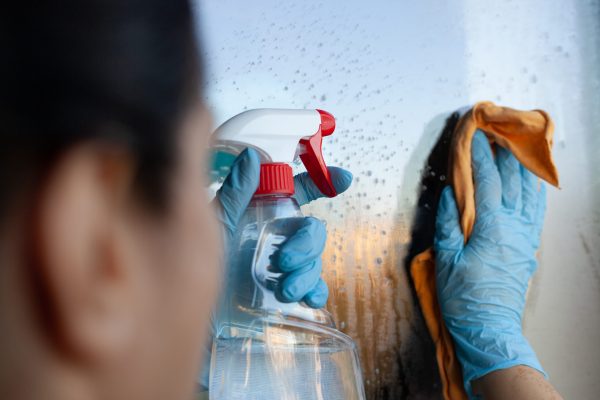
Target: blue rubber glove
[[482, 284], [300, 255]]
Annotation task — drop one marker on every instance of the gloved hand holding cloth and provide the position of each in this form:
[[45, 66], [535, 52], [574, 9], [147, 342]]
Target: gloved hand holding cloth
[[481, 284], [472, 284]]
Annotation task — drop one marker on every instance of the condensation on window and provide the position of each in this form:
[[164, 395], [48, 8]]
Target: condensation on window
[[392, 73]]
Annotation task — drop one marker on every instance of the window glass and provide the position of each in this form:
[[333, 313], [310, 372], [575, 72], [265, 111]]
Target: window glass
[[391, 73]]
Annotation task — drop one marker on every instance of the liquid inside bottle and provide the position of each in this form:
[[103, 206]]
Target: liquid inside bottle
[[268, 349]]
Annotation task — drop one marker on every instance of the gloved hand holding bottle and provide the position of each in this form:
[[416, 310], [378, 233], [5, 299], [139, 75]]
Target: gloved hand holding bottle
[[272, 338], [482, 283], [300, 255]]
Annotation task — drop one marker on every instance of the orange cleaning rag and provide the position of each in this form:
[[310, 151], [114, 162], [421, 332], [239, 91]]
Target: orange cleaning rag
[[528, 135]]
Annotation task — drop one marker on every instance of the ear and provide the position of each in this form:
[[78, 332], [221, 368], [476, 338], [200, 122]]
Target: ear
[[81, 261]]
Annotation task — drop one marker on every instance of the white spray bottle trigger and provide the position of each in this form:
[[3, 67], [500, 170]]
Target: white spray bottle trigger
[[279, 136]]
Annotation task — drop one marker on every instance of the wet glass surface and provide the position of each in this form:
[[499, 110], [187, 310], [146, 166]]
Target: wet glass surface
[[392, 73]]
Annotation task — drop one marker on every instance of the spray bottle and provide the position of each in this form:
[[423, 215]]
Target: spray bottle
[[264, 348]]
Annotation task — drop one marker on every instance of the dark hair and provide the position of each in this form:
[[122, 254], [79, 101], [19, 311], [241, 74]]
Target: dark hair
[[74, 70]]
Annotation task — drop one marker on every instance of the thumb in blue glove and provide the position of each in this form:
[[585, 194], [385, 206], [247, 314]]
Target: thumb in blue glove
[[299, 257], [482, 284]]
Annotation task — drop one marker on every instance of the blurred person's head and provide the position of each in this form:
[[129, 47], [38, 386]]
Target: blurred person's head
[[108, 248]]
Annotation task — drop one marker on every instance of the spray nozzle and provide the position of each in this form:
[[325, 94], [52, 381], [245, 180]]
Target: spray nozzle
[[312, 155], [278, 135]]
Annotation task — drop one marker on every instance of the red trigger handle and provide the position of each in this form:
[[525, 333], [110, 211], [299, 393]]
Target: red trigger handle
[[312, 157]]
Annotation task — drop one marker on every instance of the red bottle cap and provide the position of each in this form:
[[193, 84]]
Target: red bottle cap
[[276, 178]]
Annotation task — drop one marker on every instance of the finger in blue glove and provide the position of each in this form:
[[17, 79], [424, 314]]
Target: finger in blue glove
[[317, 297], [237, 190], [307, 191], [488, 187], [299, 257], [510, 176]]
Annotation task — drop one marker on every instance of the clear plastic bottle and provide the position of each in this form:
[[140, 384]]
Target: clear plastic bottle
[[267, 349]]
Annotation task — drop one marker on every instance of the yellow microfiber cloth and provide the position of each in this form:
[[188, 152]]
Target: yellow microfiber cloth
[[528, 135]]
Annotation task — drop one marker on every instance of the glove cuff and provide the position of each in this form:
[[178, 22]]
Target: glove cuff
[[493, 352]]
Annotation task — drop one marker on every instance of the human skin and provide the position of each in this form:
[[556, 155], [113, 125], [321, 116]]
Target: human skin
[[519, 382], [102, 297]]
